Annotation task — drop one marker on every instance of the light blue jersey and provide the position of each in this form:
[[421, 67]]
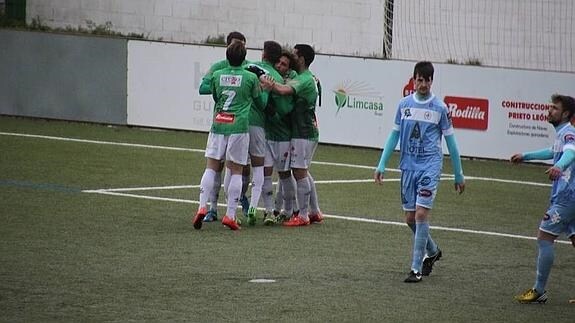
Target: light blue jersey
[[563, 189], [560, 216], [421, 125]]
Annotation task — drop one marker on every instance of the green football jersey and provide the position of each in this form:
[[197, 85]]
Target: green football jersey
[[304, 122], [257, 115], [278, 124], [234, 90], [206, 85]]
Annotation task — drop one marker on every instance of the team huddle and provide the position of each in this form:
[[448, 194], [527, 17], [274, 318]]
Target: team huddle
[[264, 116]]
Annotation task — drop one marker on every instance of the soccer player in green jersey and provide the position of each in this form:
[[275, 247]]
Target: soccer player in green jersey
[[278, 144], [305, 132], [206, 88], [234, 91], [257, 148]]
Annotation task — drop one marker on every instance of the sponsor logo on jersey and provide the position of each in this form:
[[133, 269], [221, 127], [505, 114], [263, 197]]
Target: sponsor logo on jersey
[[223, 117], [425, 180], [569, 138], [231, 80], [357, 96], [469, 113]]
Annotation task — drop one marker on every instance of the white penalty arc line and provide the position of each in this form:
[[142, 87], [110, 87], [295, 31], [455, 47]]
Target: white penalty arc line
[[339, 217]]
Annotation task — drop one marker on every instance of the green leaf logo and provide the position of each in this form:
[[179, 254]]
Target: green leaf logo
[[340, 98]]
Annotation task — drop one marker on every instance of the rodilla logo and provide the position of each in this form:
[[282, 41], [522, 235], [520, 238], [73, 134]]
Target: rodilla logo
[[409, 88], [357, 95], [469, 113]]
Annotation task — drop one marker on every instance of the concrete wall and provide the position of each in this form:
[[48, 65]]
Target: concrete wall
[[63, 76], [533, 34], [334, 26]]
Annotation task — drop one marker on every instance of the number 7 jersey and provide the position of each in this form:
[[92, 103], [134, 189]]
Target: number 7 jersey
[[234, 91]]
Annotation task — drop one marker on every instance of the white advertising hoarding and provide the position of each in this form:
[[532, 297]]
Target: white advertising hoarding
[[496, 112], [163, 83]]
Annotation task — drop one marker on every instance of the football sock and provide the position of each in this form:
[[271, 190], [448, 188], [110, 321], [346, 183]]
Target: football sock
[[227, 176], [234, 191], [279, 200], [544, 263], [431, 247], [313, 203], [206, 185], [268, 193], [289, 192], [215, 191], [303, 192], [419, 243], [257, 183], [245, 184]]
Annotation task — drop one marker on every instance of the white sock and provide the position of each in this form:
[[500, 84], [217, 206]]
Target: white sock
[[234, 191], [227, 176], [313, 202], [206, 186], [268, 194], [245, 184], [215, 191], [289, 194], [257, 183], [279, 200], [303, 192]]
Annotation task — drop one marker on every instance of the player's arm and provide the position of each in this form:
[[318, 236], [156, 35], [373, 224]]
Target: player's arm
[[268, 83], [542, 154], [260, 97], [213, 92], [206, 84], [455, 163], [388, 149], [566, 159]]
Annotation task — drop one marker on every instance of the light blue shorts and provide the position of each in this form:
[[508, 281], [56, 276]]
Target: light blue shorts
[[559, 218], [418, 188]]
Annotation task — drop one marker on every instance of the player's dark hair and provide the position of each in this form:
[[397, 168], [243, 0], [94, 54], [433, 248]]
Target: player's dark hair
[[567, 102], [307, 52], [236, 53], [292, 61], [272, 51], [423, 69], [235, 35]]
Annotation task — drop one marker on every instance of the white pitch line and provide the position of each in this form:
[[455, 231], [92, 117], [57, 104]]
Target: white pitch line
[[339, 217], [508, 181], [202, 151], [132, 189], [102, 142]]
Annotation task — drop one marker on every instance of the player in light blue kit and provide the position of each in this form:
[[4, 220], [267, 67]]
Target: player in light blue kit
[[421, 121], [560, 216]]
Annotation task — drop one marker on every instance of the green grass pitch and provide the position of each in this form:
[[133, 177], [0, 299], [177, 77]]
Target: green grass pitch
[[70, 251]]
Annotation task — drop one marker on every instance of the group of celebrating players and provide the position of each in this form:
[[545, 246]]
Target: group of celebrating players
[[264, 117]]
